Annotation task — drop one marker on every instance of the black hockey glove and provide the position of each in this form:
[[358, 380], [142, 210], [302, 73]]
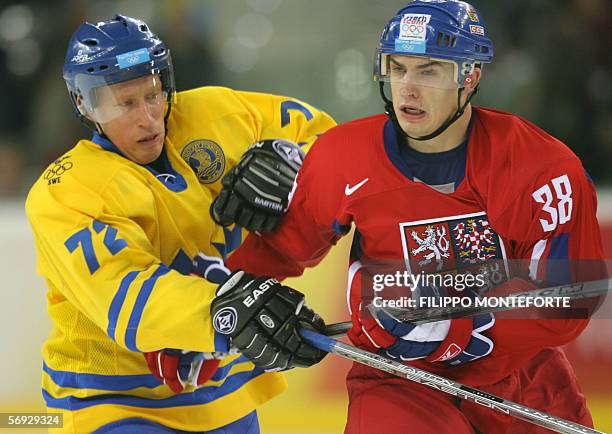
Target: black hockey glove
[[255, 193], [262, 318]]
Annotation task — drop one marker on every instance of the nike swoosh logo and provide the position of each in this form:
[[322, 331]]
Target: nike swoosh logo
[[348, 190]]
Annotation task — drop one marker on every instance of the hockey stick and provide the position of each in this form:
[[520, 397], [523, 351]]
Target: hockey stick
[[338, 329], [445, 385], [520, 300], [572, 291]]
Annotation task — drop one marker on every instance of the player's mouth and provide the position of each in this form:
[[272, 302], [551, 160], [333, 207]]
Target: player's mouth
[[149, 140], [411, 113]]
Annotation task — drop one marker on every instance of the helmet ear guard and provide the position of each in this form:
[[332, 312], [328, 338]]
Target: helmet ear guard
[[80, 110], [467, 69]]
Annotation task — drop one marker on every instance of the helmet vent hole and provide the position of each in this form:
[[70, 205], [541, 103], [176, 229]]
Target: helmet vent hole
[[90, 42], [444, 40], [103, 67], [485, 49], [143, 28], [91, 69], [159, 52]]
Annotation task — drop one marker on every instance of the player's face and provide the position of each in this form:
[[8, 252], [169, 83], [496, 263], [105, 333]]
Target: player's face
[[424, 93], [136, 112]]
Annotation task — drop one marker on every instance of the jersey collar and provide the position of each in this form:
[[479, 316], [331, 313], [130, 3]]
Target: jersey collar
[[106, 144], [171, 179], [392, 149]]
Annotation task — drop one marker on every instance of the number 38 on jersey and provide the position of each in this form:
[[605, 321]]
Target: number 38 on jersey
[[557, 202]]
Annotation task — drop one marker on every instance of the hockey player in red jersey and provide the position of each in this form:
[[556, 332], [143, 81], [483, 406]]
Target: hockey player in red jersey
[[436, 183]]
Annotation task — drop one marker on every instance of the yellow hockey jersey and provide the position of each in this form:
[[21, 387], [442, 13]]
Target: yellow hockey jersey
[[116, 243]]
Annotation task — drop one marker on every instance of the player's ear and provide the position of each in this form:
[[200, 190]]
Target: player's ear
[[473, 79], [81, 106]]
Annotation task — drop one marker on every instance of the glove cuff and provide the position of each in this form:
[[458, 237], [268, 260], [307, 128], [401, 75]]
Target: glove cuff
[[368, 334], [456, 341]]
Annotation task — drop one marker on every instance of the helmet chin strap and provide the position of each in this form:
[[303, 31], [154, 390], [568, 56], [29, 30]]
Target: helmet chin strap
[[447, 123]]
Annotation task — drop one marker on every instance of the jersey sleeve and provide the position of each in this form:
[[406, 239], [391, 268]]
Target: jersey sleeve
[[315, 221], [101, 260], [562, 238], [277, 116], [555, 236]]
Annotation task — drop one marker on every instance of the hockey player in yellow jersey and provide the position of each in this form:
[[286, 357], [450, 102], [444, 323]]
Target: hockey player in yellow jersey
[[121, 225]]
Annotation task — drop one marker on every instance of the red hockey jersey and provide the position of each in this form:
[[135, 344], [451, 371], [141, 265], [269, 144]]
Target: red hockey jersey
[[524, 195]]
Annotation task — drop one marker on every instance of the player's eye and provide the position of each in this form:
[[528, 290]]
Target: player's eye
[[154, 97], [126, 103]]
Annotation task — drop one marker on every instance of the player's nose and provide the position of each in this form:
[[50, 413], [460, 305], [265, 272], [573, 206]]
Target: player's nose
[[410, 90], [145, 115]]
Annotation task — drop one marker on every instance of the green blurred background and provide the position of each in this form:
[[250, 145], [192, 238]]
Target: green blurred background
[[552, 66]]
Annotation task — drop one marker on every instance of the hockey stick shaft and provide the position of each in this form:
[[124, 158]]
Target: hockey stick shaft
[[338, 329], [521, 300], [573, 291], [445, 385]]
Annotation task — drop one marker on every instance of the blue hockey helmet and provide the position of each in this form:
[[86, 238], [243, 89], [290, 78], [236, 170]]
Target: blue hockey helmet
[[449, 30], [111, 52]]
